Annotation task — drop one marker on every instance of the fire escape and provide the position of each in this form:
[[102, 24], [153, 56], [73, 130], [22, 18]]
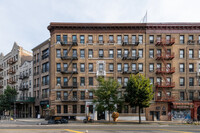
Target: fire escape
[[131, 57], [165, 57], [66, 70]]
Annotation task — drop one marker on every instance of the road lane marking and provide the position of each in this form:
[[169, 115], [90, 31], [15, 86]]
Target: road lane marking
[[174, 131], [73, 131]]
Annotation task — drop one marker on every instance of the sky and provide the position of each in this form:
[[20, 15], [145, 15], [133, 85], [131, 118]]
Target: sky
[[26, 21]]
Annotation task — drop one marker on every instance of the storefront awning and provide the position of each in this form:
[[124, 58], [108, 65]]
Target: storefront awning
[[182, 105]]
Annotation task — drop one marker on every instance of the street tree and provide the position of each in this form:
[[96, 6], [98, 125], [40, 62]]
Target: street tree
[[106, 96], [7, 99], [139, 92]]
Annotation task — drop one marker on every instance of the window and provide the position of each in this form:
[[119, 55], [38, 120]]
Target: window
[[125, 81], [126, 52], [125, 67], [65, 80], [191, 81], [134, 39], [191, 67], [58, 80], [119, 80], [119, 108], [133, 52], [100, 38], [65, 95], [82, 51], [65, 66], [119, 53], [191, 53], [65, 39], [91, 81], [198, 41], [140, 65], [140, 51], [64, 52], [91, 109], [140, 39], [82, 67], [182, 96], [100, 53], [90, 39], [125, 108], [133, 67], [90, 67], [111, 39], [181, 53], [74, 53], [74, 108], [182, 67], [111, 67], [82, 81], [58, 67], [134, 109], [74, 95], [182, 81], [74, 66], [101, 67], [58, 38], [90, 95], [119, 67], [111, 53], [199, 53], [191, 95], [119, 39], [151, 67], [151, 39], [126, 39], [58, 109], [82, 39], [90, 53], [168, 38], [65, 108], [82, 95], [58, 53], [82, 108], [190, 38], [151, 80], [181, 39], [151, 53], [74, 38], [58, 95]]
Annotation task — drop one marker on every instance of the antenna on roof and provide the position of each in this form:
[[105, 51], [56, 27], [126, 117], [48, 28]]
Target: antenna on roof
[[144, 19]]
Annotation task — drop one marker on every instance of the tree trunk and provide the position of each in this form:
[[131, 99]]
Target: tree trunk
[[139, 115], [109, 115]]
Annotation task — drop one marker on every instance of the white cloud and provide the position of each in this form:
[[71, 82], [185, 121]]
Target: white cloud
[[26, 21]]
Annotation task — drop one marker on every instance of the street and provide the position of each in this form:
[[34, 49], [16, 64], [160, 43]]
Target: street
[[99, 128]]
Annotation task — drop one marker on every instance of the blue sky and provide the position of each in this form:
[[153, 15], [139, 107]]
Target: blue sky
[[26, 21]]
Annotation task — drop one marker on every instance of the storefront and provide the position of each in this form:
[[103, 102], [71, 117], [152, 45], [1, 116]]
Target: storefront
[[181, 110], [196, 110]]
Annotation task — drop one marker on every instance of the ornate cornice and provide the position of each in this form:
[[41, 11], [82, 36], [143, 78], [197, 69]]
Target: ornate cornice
[[121, 27]]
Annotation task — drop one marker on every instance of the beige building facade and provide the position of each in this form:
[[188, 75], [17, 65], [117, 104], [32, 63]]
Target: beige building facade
[[166, 53]]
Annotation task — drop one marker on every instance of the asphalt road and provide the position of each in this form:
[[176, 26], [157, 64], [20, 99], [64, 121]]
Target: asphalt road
[[102, 128]]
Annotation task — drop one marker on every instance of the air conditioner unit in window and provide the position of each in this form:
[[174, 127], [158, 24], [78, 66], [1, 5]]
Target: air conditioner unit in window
[[82, 84], [90, 56]]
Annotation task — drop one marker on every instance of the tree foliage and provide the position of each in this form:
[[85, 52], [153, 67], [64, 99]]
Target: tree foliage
[[7, 99], [106, 96], [139, 92]]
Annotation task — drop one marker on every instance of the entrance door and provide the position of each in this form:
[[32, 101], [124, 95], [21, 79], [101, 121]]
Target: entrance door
[[157, 116], [198, 113], [101, 115]]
